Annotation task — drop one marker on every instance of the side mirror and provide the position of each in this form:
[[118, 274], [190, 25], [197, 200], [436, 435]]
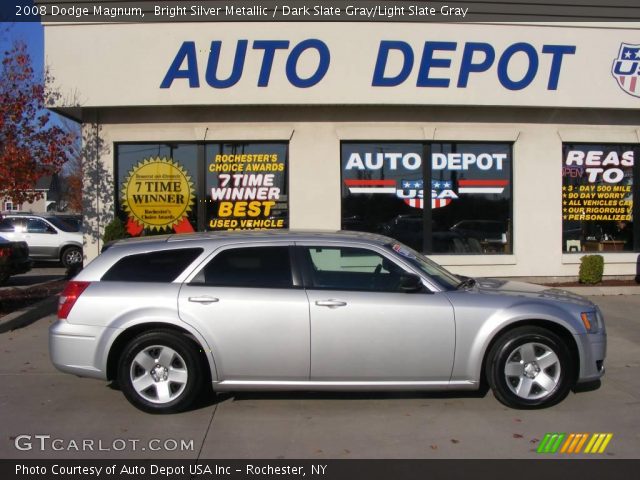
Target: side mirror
[[410, 283], [52, 230]]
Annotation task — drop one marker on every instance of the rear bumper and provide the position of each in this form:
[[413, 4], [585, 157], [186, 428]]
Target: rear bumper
[[593, 350], [22, 266], [75, 349]]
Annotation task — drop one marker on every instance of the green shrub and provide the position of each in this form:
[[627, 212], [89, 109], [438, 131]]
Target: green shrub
[[114, 230], [591, 269]]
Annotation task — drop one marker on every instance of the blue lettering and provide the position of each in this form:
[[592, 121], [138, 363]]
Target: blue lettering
[[503, 65], [631, 67], [428, 62], [467, 66], [558, 51], [379, 80], [269, 47], [236, 71], [323, 64], [188, 51]]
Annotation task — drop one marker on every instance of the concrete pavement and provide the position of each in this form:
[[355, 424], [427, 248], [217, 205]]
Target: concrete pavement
[[37, 400]]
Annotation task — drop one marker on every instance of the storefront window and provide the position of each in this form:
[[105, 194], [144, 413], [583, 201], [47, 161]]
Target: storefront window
[[165, 187], [469, 211], [382, 190], [471, 198], [156, 188], [246, 185], [597, 198]]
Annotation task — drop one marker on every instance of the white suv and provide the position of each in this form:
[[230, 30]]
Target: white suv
[[48, 237]]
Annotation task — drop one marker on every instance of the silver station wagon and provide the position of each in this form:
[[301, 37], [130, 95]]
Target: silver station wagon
[[165, 317]]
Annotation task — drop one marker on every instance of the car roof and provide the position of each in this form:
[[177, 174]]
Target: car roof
[[259, 235]]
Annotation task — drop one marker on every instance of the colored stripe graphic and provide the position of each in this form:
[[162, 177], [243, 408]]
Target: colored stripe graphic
[[479, 190], [573, 443], [551, 442], [377, 183], [371, 186], [373, 190], [483, 183], [482, 186], [598, 443]]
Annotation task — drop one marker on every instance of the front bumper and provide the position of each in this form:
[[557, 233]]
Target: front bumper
[[593, 350], [76, 349]]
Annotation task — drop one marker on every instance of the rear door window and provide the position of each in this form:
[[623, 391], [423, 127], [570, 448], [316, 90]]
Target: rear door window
[[163, 266], [252, 267]]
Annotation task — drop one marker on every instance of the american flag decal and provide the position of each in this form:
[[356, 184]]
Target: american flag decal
[[435, 202], [626, 69]]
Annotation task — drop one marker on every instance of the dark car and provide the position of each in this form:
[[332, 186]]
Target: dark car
[[14, 259]]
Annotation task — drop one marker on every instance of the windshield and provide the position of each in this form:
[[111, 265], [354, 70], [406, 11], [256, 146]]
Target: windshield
[[439, 275]]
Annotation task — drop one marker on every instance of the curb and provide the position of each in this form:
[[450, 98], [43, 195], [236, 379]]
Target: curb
[[22, 318], [602, 291]]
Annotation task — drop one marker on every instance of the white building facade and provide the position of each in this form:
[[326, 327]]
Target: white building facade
[[497, 149]]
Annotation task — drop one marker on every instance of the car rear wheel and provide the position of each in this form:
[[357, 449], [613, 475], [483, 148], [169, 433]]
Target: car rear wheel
[[71, 256], [530, 367], [160, 372]]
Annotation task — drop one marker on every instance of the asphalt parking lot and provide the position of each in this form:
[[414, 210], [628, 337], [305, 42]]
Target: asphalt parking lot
[[40, 273], [37, 400]]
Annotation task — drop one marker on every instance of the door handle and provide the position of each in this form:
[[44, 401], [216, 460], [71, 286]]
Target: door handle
[[331, 303], [204, 299]]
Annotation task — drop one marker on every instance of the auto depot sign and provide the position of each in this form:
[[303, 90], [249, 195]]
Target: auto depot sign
[[477, 58], [341, 63]]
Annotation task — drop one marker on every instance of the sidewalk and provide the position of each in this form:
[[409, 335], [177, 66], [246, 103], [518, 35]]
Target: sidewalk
[[33, 312]]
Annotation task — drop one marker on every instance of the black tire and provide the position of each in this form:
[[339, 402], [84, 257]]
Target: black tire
[[4, 276], [547, 373], [71, 256], [162, 395]]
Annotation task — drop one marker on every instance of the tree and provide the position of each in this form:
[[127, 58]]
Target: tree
[[31, 146], [73, 181], [71, 177]]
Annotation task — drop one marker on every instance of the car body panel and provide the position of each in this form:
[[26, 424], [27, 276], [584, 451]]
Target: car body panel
[[97, 313], [255, 333], [381, 336]]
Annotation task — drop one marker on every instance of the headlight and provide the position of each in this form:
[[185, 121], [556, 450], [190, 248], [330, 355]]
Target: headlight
[[590, 321]]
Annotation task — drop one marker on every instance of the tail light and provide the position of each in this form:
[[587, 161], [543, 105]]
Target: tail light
[[5, 252], [69, 296]]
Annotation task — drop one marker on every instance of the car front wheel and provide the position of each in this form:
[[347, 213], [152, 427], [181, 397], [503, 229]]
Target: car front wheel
[[160, 372], [530, 367]]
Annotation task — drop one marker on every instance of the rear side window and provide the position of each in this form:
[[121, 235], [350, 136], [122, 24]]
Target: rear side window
[[163, 266], [257, 267]]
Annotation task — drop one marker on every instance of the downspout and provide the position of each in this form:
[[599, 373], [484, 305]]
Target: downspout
[[97, 180]]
